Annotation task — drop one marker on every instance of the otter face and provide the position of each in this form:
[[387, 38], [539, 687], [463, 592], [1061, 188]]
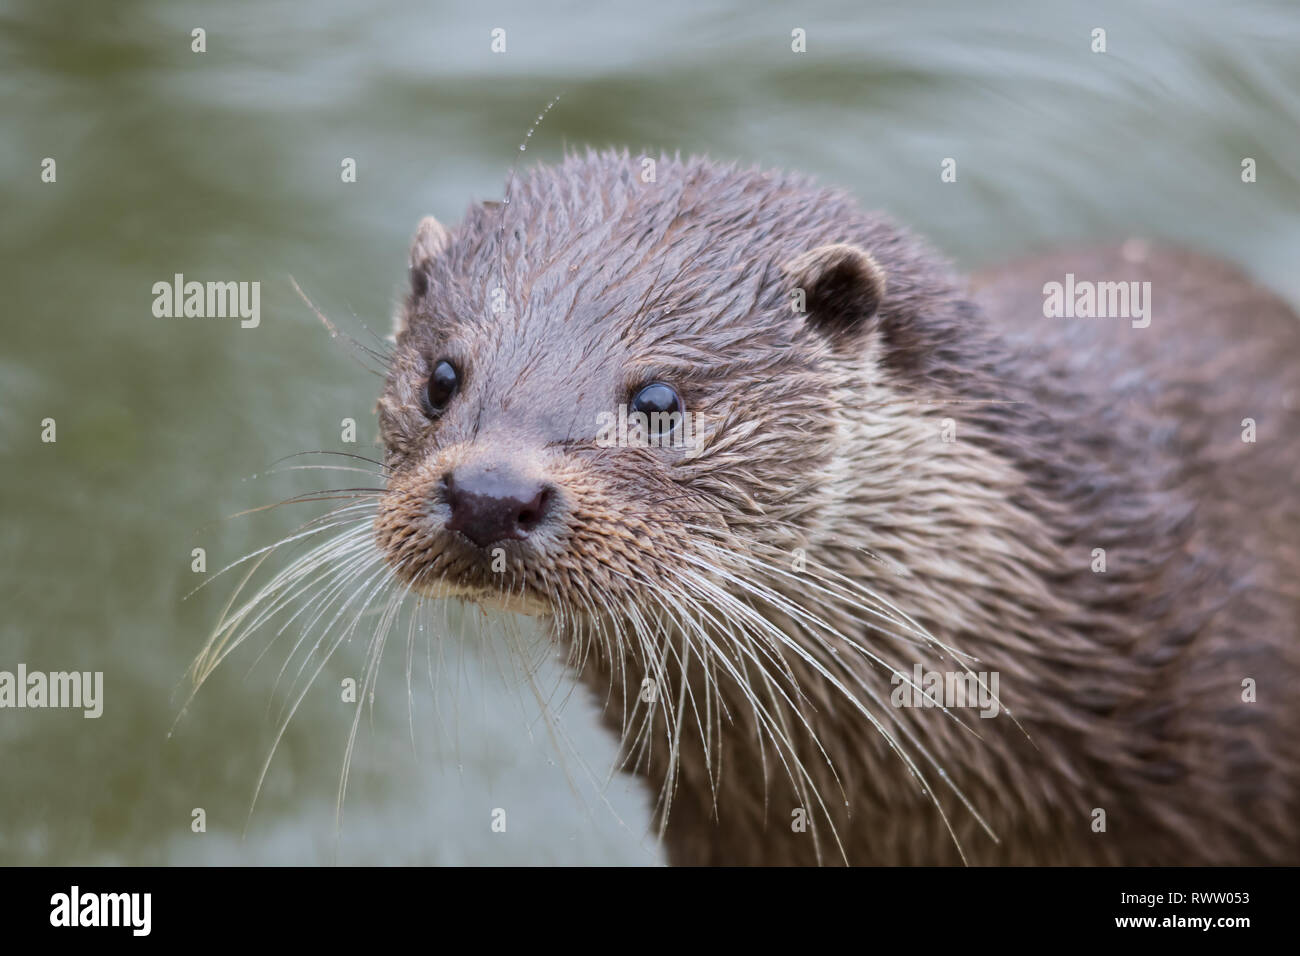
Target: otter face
[[519, 472]]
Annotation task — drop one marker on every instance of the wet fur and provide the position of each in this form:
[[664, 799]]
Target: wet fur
[[822, 433]]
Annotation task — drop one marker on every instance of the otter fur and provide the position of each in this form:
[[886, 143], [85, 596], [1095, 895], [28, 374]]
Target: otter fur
[[898, 471]]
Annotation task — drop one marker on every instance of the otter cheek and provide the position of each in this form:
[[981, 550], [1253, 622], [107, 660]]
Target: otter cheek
[[401, 530]]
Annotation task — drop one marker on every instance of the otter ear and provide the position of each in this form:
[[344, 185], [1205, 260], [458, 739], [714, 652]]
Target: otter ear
[[836, 287], [430, 239]]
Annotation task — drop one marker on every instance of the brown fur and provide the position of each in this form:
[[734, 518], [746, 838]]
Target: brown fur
[[825, 503]]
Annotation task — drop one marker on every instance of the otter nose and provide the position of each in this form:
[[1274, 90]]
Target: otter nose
[[489, 504]]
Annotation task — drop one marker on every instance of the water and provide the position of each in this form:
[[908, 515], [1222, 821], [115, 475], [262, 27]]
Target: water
[[226, 165]]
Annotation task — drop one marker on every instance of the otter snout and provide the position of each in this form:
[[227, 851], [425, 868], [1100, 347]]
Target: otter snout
[[491, 503]]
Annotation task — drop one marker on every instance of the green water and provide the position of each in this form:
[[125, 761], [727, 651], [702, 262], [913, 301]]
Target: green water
[[226, 165]]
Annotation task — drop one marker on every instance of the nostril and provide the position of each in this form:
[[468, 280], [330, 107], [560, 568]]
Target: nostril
[[448, 494], [535, 511]]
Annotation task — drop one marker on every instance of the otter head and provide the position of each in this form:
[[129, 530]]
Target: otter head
[[603, 388]]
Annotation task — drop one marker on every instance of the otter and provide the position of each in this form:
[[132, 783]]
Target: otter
[[1089, 523]]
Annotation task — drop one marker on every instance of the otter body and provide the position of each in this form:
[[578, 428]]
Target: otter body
[[896, 473]]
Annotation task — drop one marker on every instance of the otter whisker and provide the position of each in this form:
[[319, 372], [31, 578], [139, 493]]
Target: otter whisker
[[367, 692], [345, 573], [305, 530], [226, 637], [360, 349], [297, 701], [788, 641], [795, 768], [852, 698], [798, 773], [330, 451], [339, 569], [930, 639], [359, 471]]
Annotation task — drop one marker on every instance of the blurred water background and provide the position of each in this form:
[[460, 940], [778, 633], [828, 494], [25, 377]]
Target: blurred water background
[[226, 165]]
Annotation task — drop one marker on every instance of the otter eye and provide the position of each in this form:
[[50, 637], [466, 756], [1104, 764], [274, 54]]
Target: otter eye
[[658, 399], [441, 387]]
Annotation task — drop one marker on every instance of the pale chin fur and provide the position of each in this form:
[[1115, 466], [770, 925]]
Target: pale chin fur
[[521, 604]]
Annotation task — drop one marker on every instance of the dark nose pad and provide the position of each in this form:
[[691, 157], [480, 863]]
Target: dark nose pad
[[489, 504]]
